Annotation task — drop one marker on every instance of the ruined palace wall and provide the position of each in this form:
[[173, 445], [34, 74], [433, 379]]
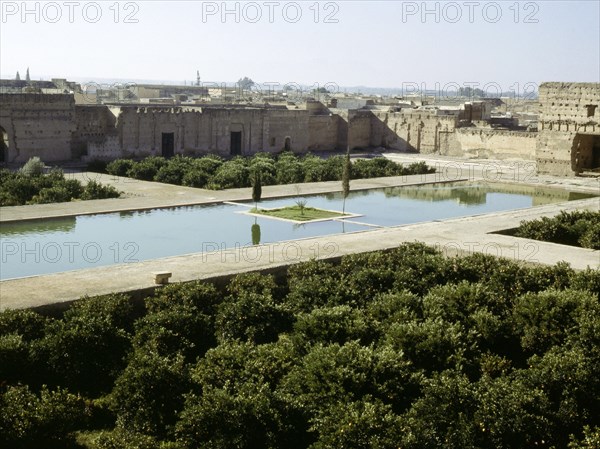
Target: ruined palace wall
[[93, 124], [359, 129], [280, 124], [568, 103], [107, 149], [38, 125], [221, 122], [140, 130], [419, 131], [262, 130], [426, 132], [553, 152], [341, 117], [198, 132], [494, 144], [323, 133], [566, 110]]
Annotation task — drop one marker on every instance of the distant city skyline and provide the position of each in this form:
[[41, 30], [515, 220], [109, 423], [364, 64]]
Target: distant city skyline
[[429, 45]]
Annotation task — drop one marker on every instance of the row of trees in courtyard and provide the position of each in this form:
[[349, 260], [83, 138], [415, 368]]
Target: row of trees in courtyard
[[30, 185], [404, 348], [213, 172]]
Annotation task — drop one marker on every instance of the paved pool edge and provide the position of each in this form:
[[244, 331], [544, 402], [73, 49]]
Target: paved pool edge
[[452, 236]]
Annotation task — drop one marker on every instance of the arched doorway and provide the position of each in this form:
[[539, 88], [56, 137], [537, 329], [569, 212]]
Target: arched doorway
[[287, 146], [3, 146]]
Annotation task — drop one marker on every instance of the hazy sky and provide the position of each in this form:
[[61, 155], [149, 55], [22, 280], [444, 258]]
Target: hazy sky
[[349, 43]]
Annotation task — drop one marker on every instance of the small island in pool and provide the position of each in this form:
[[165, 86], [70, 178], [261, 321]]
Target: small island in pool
[[299, 213]]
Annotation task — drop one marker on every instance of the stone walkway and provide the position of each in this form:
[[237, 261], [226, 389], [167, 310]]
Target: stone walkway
[[454, 236], [140, 195], [510, 171]]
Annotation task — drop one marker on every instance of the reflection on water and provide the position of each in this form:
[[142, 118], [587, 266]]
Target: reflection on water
[[46, 226], [50, 246], [128, 215], [462, 195], [473, 194], [255, 231]]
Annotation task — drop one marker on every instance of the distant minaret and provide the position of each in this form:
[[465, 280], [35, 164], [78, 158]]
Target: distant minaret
[[197, 77], [18, 78], [27, 75]]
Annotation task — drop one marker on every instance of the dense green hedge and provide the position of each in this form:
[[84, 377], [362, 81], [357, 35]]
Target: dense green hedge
[[577, 228], [404, 348], [18, 188], [213, 172]]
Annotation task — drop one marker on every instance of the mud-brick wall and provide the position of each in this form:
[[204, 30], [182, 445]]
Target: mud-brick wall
[[494, 144], [140, 129], [569, 103], [418, 131], [281, 124], [198, 132], [106, 150], [93, 124], [567, 111], [38, 125], [359, 129], [324, 132], [553, 152]]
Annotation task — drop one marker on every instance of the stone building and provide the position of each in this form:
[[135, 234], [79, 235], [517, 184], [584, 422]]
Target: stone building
[[229, 131], [569, 128], [36, 125], [56, 128], [164, 91]]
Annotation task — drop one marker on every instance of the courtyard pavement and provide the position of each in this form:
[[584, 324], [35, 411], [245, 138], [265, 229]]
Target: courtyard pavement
[[140, 195], [453, 236]]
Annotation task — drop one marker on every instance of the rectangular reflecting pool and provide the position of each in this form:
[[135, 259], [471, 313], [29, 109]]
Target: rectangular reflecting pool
[[49, 246]]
